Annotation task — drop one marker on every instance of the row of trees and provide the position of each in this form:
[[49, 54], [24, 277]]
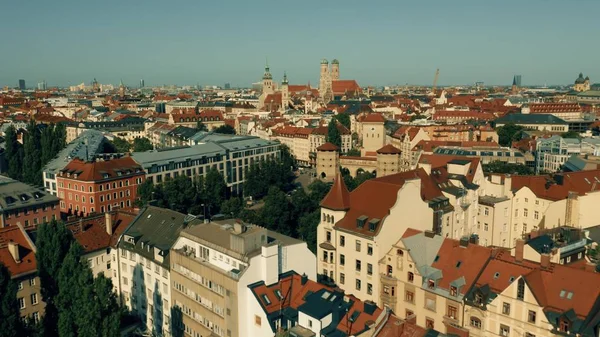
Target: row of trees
[[77, 303], [504, 167], [198, 195], [41, 143], [140, 144], [224, 129]]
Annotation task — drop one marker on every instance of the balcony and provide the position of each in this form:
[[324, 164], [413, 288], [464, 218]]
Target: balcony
[[326, 245], [389, 300], [388, 279]]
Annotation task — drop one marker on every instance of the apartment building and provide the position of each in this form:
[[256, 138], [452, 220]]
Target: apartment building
[[552, 153], [98, 235], [25, 205], [564, 111], [427, 276], [303, 307], [17, 254], [212, 265], [405, 139], [87, 187], [86, 146], [539, 122], [143, 265], [231, 155], [127, 128], [357, 229], [516, 297]]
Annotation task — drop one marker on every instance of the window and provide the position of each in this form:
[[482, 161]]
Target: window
[[369, 269], [34, 299], [531, 316], [452, 312], [342, 259], [358, 284], [429, 323], [411, 277], [478, 299], [369, 288], [32, 282], [431, 284], [409, 297], [486, 211], [526, 200], [409, 313], [521, 289], [310, 323], [536, 215], [342, 240], [369, 249], [20, 285], [485, 227], [21, 301], [506, 308], [564, 325], [257, 320], [453, 291], [358, 245], [516, 212], [36, 317], [504, 330], [325, 255], [476, 322], [389, 270], [358, 265], [342, 278], [524, 228], [328, 236], [529, 334]]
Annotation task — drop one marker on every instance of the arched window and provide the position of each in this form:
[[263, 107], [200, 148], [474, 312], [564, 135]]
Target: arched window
[[328, 218], [390, 270], [475, 322], [332, 219], [400, 252], [411, 277], [324, 217]]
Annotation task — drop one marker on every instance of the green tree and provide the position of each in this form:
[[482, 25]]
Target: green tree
[[121, 145], [232, 207], [508, 134], [145, 193], [10, 316], [13, 154], [344, 119], [142, 144], [201, 126], [53, 241], [570, 134], [32, 170], [318, 190], [353, 153], [275, 214], [47, 152], [216, 190], [288, 161], [59, 138], [307, 228], [225, 129], [333, 134], [504, 167]]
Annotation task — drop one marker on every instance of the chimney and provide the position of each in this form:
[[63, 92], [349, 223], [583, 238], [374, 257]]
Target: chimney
[[270, 264], [545, 261], [429, 234], [464, 241], [109, 223], [519, 248], [13, 248], [303, 279]]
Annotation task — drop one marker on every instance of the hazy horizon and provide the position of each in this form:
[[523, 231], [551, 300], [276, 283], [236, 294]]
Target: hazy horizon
[[379, 43]]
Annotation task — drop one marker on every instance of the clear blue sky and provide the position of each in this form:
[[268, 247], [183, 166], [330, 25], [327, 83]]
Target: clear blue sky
[[377, 42]]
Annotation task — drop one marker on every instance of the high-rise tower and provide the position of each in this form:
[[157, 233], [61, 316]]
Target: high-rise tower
[[267, 81], [285, 93], [335, 70]]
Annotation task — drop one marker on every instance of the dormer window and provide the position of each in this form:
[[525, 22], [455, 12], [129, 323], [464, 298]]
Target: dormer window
[[373, 224], [564, 325], [431, 284], [453, 291], [478, 299], [360, 221]]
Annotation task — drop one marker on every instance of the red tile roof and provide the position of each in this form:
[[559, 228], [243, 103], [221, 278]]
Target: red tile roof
[[557, 187], [430, 145], [389, 149], [554, 107], [375, 197], [340, 87], [338, 198], [28, 263], [328, 147], [216, 115], [464, 115], [373, 118], [93, 236], [456, 261], [96, 171]]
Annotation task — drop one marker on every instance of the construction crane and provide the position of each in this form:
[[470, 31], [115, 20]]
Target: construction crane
[[435, 79]]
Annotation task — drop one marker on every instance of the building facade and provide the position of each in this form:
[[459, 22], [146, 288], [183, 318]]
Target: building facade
[[25, 205]]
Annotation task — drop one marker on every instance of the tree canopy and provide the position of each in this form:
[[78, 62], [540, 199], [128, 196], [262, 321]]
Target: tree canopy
[[344, 119], [10, 316], [504, 167], [333, 134], [142, 144], [508, 134], [201, 126], [121, 145], [225, 129], [570, 134]]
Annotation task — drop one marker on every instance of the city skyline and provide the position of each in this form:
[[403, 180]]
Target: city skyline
[[387, 43]]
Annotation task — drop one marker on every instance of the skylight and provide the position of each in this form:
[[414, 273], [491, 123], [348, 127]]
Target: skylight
[[278, 294], [511, 279], [266, 299], [569, 295], [562, 293], [437, 257], [496, 275], [458, 264]]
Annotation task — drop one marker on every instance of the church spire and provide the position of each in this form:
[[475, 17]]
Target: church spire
[[338, 198], [285, 80], [267, 75]]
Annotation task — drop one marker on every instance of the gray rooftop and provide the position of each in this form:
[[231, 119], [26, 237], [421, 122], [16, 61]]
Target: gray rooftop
[[15, 195], [164, 156], [88, 144], [157, 228], [530, 119], [423, 250], [489, 200]]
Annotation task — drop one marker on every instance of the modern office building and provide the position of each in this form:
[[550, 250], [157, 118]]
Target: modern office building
[[231, 155], [22, 85]]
